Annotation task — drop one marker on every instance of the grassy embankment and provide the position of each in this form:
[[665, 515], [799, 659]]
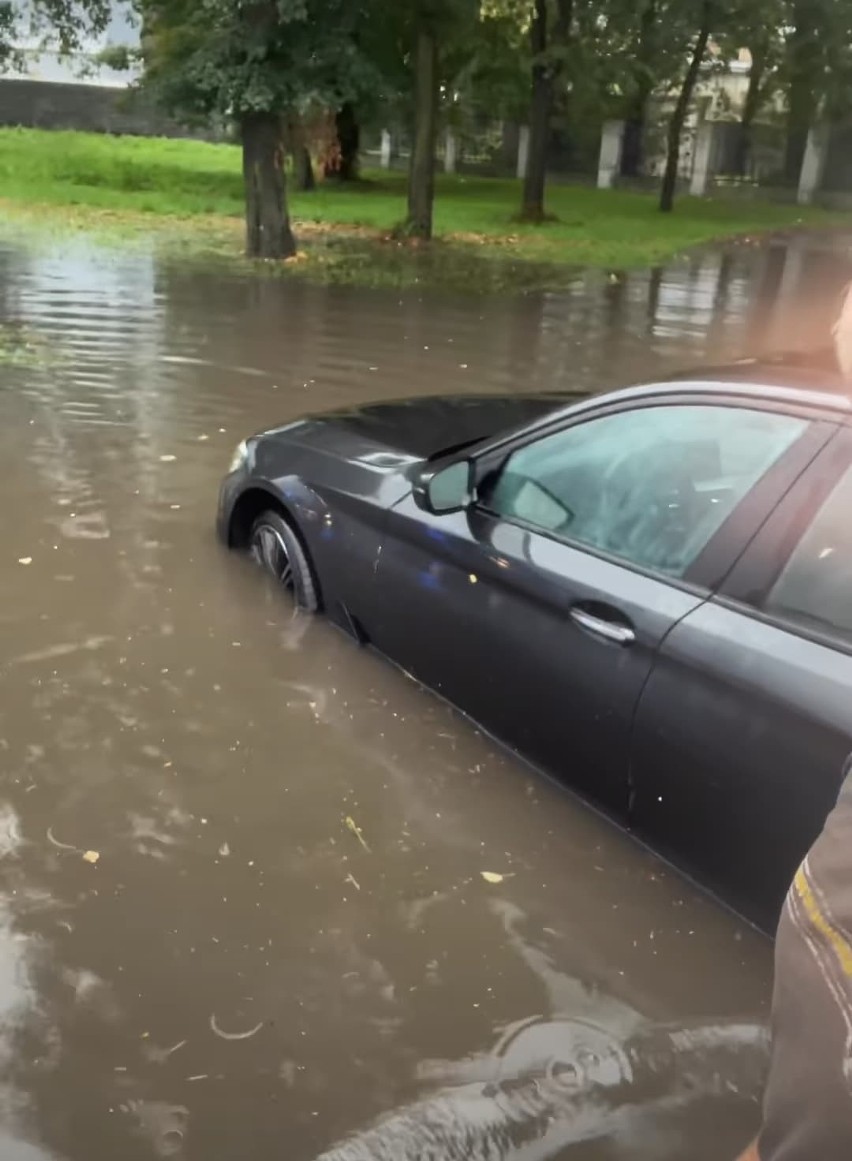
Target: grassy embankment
[[189, 194]]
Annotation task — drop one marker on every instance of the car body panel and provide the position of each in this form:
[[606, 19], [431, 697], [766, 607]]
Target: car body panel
[[697, 732], [771, 709], [738, 752], [424, 427], [515, 660]]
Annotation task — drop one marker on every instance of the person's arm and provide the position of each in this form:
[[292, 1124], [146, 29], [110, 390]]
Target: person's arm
[[751, 1153]]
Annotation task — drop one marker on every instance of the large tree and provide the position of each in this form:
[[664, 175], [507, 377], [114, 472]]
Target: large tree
[[643, 49], [256, 62], [806, 61], [432, 27], [642, 79], [817, 71], [421, 176], [759, 27], [706, 12], [550, 31]]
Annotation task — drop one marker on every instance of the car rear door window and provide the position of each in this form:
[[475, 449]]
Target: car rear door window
[[650, 486], [815, 588]]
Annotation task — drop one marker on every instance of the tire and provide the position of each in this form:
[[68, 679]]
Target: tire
[[277, 549]]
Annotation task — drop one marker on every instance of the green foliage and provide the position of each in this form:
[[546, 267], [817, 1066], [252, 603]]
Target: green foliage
[[61, 22], [230, 58], [819, 52], [489, 68], [192, 190]]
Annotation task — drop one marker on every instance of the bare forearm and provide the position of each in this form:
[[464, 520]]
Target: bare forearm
[[751, 1153]]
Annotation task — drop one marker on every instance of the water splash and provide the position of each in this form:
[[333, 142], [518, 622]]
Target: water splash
[[550, 1085]]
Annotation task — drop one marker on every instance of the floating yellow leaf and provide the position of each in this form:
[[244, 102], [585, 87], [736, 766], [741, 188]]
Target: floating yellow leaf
[[352, 825], [91, 857], [492, 877]]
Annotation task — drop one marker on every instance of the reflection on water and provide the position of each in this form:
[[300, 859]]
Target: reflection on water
[[550, 1086], [165, 712]]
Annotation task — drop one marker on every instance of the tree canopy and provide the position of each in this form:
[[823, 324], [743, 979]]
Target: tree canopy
[[65, 23], [257, 62], [266, 64], [232, 57]]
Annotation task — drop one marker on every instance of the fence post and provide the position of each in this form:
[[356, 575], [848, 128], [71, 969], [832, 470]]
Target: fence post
[[387, 145], [523, 150], [450, 151], [609, 159], [813, 164], [702, 158]]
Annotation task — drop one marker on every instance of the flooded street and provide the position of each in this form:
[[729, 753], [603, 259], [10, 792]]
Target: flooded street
[[200, 957]]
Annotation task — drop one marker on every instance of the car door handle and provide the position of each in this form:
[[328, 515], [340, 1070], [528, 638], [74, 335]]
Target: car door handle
[[614, 631]]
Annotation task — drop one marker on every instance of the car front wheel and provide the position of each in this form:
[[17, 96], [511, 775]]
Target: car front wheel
[[277, 549]]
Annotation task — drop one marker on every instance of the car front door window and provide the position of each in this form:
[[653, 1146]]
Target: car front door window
[[649, 486], [814, 590]]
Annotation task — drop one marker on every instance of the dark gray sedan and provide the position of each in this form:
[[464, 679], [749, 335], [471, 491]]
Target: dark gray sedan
[[647, 594]]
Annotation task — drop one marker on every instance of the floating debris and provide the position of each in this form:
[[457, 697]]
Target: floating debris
[[233, 1035], [51, 838], [160, 1055], [25, 560], [352, 825], [91, 857]]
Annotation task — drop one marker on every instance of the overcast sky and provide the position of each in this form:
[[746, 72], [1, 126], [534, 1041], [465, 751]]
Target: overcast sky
[[47, 66]]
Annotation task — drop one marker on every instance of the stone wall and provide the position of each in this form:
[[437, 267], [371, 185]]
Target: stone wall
[[89, 108]]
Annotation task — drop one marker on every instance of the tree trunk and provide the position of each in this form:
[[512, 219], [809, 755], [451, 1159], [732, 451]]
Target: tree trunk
[[667, 194], [633, 149], [349, 144], [751, 107], [800, 117], [421, 176], [803, 64], [532, 203], [268, 233], [297, 147], [303, 170]]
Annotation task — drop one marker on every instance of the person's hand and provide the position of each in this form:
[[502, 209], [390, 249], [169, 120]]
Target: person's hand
[[751, 1153]]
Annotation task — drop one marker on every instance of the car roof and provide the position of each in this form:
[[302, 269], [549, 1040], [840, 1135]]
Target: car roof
[[806, 379]]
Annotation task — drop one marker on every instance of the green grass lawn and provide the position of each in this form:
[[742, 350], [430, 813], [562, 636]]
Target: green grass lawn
[[141, 180]]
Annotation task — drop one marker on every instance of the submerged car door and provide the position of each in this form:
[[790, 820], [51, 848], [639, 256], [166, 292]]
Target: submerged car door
[[746, 722], [540, 608]]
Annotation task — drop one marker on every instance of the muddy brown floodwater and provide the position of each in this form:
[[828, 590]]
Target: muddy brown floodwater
[[199, 958]]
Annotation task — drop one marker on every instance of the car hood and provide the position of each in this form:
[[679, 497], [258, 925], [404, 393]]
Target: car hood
[[422, 428]]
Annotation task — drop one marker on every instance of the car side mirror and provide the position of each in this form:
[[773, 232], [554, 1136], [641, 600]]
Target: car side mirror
[[446, 490]]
